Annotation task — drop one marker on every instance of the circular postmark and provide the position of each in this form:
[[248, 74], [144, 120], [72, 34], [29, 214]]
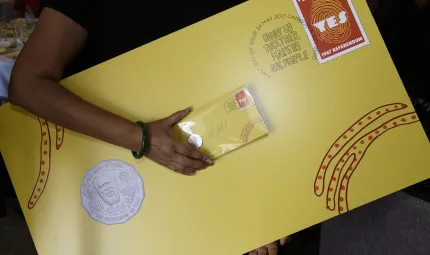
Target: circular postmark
[[112, 192], [195, 141], [278, 43]]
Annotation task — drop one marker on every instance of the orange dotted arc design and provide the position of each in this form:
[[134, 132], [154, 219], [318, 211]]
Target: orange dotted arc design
[[323, 9], [347, 160], [45, 159], [337, 192], [247, 129], [359, 149], [346, 137], [59, 136]]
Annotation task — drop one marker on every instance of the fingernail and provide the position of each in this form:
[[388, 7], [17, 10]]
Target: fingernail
[[210, 162]]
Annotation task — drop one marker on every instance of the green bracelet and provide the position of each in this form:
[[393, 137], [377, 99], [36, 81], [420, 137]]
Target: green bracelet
[[144, 141]]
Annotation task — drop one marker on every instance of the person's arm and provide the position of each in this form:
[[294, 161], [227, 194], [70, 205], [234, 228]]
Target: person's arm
[[39, 68], [34, 86]]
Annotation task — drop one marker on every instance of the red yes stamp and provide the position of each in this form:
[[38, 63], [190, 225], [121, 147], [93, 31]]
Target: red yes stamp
[[332, 26], [241, 99]]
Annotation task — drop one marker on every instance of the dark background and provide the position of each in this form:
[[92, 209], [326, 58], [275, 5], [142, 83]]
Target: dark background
[[406, 32]]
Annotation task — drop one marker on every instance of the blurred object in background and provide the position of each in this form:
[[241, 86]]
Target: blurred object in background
[[422, 3], [6, 66], [22, 6], [6, 10], [17, 22]]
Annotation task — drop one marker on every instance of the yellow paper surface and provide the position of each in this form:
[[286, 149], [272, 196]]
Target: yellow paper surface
[[250, 197], [223, 125]]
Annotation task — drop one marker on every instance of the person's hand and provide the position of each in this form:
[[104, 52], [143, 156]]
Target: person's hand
[[271, 248], [166, 151]]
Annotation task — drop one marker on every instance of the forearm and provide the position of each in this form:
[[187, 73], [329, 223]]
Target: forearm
[[49, 100]]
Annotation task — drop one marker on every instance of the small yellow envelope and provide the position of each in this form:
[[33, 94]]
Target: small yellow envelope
[[223, 125]]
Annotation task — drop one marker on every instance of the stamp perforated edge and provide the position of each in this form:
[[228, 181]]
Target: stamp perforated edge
[[308, 33]]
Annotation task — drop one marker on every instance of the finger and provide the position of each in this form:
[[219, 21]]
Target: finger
[[262, 251], [285, 240], [254, 252], [188, 162], [175, 167], [192, 153], [273, 248], [178, 116], [181, 169]]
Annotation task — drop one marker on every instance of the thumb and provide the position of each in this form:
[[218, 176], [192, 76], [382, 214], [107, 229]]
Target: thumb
[[178, 116], [285, 240]]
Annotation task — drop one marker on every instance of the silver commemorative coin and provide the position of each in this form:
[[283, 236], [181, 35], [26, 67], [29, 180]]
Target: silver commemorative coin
[[112, 192], [195, 141]]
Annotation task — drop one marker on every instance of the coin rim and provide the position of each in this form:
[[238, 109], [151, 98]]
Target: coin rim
[[140, 204]]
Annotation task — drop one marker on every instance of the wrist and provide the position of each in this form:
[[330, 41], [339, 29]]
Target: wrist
[[136, 138], [138, 154]]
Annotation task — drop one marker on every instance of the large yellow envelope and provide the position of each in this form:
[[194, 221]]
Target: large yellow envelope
[[342, 133]]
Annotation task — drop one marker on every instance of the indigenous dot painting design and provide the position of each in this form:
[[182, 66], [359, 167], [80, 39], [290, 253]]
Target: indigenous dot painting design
[[45, 159], [349, 149]]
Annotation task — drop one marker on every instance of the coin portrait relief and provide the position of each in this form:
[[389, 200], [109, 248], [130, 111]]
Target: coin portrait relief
[[107, 188]]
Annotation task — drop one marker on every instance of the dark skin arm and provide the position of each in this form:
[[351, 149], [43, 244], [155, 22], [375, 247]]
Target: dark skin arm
[[34, 86]]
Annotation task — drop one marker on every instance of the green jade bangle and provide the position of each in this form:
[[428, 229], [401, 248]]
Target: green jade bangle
[[144, 141]]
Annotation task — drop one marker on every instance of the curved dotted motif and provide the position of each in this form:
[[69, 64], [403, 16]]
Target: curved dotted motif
[[356, 146], [59, 137], [45, 159], [359, 149], [346, 160], [347, 136]]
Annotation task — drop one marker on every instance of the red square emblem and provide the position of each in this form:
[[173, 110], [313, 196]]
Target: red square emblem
[[241, 99]]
